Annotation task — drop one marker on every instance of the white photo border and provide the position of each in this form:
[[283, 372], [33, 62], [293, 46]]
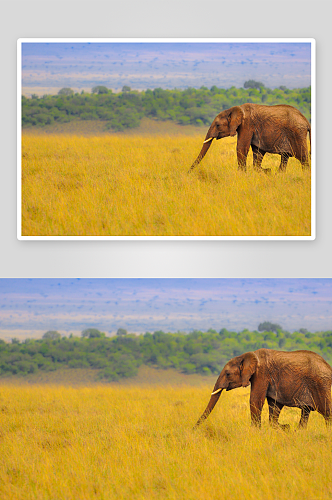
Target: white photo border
[[312, 42]]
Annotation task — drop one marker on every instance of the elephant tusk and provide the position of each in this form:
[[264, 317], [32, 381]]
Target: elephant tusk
[[207, 140], [216, 392]]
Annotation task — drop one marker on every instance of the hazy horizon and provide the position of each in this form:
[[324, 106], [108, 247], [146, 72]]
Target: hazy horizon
[[30, 307], [49, 66]]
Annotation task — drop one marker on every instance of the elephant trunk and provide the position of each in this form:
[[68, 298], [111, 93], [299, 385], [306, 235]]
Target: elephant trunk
[[205, 147], [213, 400]]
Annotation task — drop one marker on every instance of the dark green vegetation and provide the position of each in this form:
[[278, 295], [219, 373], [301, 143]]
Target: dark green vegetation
[[121, 356], [126, 109]]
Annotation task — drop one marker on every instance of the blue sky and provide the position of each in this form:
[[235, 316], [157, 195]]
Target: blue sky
[[30, 307], [47, 67]]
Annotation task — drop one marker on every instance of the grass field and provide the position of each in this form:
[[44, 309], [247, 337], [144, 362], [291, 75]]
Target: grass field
[[137, 185], [132, 443]]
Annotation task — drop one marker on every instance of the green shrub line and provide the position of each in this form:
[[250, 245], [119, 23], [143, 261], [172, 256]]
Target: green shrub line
[[121, 356], [125, 109]]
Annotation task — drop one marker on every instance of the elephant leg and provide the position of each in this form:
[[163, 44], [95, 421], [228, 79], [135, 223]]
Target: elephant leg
[[256, 406], [242, 153], [304, 159], [283, 162], [274, 411], [325, 409], [328, 420], [305, 412], [302, 154], [257, 158]]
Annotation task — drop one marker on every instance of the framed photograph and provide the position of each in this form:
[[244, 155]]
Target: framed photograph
[[166, 139], [165, 387]]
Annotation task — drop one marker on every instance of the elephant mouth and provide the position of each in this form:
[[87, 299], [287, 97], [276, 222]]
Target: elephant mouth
[[233, 385]]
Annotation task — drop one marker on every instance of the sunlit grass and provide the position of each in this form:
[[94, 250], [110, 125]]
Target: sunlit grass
[[138, 443], [139, 186]]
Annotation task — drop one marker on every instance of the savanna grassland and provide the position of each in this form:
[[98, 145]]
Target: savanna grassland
[[137, 184], [137, 442]]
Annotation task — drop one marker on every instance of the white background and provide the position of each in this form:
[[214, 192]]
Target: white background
[[178, 19]]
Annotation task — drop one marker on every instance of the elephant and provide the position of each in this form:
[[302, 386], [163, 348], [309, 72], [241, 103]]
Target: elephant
[[299, 379], [280, 129]]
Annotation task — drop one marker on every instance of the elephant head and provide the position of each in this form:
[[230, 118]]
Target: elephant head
[[236, 373], [224, 125]]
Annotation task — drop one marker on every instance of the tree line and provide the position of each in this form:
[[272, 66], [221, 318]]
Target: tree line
[[125, 109], [121, 356]]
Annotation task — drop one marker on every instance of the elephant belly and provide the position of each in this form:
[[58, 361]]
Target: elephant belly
[[293, 397], [275, 144]]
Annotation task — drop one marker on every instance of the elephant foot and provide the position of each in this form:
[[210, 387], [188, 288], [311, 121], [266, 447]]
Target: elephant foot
[[284, 427], [328, 422], [267, 171]]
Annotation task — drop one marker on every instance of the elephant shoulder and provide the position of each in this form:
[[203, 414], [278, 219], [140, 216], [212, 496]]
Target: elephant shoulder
[[249, 107], [263, 354]]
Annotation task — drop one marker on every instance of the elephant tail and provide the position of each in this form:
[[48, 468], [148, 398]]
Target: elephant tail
[[309, 130], [211, 404]]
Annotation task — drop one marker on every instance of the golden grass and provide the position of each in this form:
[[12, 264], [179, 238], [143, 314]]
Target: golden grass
[[139, 186], [137, 443]]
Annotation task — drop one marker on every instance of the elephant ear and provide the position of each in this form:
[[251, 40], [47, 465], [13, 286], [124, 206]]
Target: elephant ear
[[248, 366], [235, 119]]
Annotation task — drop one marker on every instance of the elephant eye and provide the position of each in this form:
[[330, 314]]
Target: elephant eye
[[227, 374]]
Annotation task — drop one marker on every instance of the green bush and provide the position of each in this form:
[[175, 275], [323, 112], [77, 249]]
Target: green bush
[[126, 109], [121, 356]]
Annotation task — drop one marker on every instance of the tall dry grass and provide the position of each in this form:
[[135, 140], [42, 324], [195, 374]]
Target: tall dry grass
[[138, 443], [139, 186]]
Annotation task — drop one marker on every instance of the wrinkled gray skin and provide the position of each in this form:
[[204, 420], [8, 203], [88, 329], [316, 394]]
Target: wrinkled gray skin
[[299, 379], [277, 129]]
